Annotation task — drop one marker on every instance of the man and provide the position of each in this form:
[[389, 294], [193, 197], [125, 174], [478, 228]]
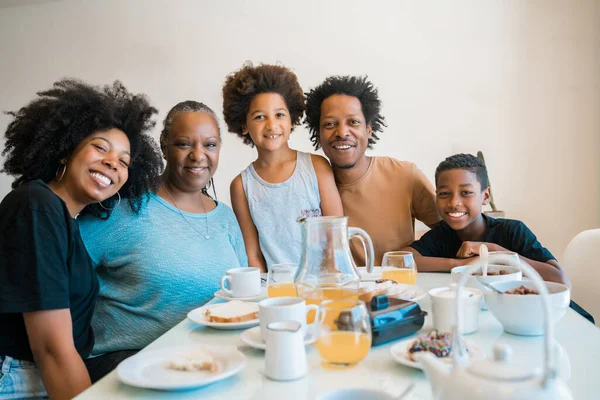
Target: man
[[381, 195]]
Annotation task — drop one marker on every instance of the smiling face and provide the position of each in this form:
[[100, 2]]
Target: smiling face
[[268, 121], [97, 168], [459, 200], [344, 132], [192, 151]]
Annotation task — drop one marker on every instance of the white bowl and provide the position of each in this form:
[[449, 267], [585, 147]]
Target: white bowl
[[356, 394], [514, 274], [524, 314]]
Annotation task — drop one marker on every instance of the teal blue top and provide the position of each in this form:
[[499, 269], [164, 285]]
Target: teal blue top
[[154, 268]]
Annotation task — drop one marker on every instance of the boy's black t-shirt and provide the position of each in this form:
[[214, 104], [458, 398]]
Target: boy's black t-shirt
[[443, 241], [44, 265]]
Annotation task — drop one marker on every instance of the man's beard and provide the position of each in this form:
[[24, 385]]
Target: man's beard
[[346, 166]]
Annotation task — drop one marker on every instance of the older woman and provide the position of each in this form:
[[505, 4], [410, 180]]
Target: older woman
[[75, 149], [156, 266]]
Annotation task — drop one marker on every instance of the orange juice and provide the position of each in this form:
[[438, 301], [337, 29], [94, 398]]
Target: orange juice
[[282, 290], [400, 275], [344, 347], [317, 296]]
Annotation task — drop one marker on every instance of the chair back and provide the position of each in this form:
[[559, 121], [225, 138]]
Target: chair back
[[581, 262]]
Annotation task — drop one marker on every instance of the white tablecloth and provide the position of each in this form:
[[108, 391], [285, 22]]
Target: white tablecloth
[[578, 340]]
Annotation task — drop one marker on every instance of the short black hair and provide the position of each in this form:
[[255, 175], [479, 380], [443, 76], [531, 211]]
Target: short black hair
[[355, 86], [242, 86], [48, 129], [467, 162]]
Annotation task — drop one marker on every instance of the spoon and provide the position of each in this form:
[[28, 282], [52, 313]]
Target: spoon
[[487, 285], [406, 391], [483, 255]]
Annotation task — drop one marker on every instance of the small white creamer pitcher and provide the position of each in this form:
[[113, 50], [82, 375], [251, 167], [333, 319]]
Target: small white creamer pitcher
[[285, 354]]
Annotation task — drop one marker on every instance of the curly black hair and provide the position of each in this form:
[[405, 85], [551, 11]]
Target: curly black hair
[[467, 162], [48, 129], [242, 86], [355, 86]]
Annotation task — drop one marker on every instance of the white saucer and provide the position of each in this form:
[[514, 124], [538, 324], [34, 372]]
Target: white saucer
[[253, 338], [399, 353], [221, 294], [198, 316], [149, 369]]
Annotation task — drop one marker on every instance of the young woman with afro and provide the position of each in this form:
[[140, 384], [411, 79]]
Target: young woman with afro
[[76, 149]]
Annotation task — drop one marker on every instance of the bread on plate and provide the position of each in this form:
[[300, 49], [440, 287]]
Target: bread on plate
[[199, 359], [233, 311]]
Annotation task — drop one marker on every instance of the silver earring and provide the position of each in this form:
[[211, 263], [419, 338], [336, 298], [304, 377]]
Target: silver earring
[[64, 167], [110, 209]]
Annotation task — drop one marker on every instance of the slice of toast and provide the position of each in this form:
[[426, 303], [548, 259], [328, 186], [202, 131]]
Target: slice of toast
[[366, 294], [199, 359], [380, 287], [233, 311]]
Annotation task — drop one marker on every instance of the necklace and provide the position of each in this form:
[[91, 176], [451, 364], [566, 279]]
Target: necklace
[[206, 236]]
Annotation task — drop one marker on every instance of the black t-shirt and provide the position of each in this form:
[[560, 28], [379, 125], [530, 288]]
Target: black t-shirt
[[443, 241], [44, 265]]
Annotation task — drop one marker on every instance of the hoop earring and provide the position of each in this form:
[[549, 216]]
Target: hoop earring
[[110, 209], [64, 167], [209, 184]]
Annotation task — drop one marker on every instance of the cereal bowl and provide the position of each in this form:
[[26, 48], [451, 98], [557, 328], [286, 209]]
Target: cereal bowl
[[512, 274], [524, 314]]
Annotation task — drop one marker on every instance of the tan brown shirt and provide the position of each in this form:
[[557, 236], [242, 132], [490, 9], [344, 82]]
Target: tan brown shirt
[[385, 203]]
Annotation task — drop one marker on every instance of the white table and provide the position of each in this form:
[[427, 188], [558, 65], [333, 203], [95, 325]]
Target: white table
[[579, 355]]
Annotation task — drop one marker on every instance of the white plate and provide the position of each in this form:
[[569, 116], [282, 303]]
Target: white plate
[[253, 338], [221, 294], [148, 369], [198, 316], [400, 353], [366, 277], [401, 291]]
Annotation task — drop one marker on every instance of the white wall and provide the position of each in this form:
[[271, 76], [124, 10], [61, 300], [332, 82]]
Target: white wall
[[519, 80]]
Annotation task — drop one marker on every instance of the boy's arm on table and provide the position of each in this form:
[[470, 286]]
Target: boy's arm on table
[[50, 334], [331, 204], [550, 270], [433, 264], [249, 232]]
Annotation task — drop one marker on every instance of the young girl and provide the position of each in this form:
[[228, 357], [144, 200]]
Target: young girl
[[262, 105]]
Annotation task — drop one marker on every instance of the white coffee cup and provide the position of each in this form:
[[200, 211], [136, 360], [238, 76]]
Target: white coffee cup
[[241, 282], [278, 309], [443, 307]]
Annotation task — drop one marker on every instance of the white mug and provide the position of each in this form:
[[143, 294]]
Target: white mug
[[283, 309], [443, 307], [285, 354], [242, 282]]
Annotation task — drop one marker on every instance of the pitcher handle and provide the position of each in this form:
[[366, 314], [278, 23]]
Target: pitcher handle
[[367, 245]]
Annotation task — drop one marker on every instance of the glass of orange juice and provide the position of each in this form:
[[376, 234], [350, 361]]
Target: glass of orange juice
[[400, 267], [280, 280], [343, 331]]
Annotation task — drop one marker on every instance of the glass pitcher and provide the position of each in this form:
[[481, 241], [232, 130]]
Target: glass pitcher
[[327, 270]]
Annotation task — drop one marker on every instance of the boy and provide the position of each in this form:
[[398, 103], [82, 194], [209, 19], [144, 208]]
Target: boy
[[461, 190]]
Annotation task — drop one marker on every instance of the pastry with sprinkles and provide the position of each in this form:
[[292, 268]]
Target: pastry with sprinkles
[[440, 344]]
